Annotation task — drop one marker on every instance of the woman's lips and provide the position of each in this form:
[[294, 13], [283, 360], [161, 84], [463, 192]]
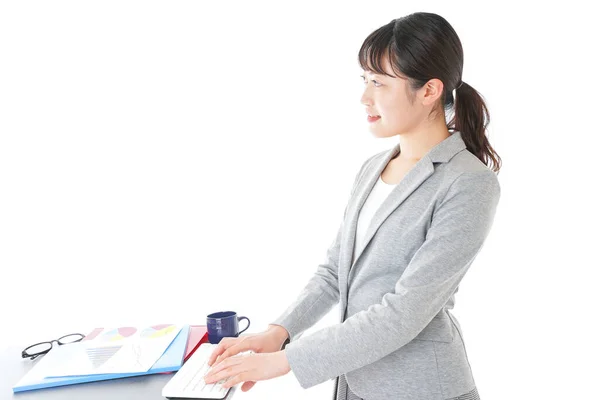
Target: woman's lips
[[373, 119]]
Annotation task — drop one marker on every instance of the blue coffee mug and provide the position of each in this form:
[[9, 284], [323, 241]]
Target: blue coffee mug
[[224, 324]]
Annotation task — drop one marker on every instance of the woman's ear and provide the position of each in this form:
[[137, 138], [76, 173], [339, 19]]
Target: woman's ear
[[432, 91]]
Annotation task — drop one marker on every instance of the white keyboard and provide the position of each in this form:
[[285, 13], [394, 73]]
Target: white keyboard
[[188, 382]]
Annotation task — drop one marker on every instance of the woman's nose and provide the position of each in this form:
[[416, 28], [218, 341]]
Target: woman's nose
[[365, 100]]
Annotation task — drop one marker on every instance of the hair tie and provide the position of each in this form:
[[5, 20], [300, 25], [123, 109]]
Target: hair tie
[[461, 82]]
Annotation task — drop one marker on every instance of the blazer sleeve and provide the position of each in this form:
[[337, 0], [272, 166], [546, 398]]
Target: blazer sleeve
[[321, 293], [457, 233]]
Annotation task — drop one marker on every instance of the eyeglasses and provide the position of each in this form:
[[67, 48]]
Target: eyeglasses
[[38, 349]]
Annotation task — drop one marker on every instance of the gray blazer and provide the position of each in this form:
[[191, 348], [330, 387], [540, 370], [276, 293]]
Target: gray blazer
[[396, 338]]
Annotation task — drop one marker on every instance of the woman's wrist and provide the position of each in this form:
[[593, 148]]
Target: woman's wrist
[[284, 361], [280, 332]]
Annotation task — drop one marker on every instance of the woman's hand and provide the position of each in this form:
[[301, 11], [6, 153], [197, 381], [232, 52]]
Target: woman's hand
[[248, 368], [269, 341]]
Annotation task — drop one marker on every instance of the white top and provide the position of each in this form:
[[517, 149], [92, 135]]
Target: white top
[[378, 194]]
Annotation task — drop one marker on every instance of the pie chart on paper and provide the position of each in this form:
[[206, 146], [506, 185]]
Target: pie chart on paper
[[157, 331], [118, 334]]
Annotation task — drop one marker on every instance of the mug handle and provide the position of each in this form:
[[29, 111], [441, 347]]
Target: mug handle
[[247, 326]]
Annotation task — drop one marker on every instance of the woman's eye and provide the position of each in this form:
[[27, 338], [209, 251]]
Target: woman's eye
[[377, 84]]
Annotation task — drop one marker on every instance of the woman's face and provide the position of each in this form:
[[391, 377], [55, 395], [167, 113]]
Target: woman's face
[[388, 97]]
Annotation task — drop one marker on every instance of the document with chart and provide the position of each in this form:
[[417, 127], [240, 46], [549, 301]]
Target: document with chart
[[118, 350]]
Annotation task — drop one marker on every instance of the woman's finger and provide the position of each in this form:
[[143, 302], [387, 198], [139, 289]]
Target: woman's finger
[[238, 347], [235, 380], [221, 347], [248, 385], [226, 363], [223, 370]]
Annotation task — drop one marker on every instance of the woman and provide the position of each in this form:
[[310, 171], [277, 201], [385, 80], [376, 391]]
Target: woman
[[418, 215]]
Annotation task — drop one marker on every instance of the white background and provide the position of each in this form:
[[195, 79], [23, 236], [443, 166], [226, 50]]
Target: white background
[[160, 161]]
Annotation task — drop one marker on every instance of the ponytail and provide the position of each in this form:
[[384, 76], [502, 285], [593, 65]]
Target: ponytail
[[471, 118]]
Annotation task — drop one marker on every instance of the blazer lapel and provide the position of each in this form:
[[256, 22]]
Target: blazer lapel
[[422, 170]]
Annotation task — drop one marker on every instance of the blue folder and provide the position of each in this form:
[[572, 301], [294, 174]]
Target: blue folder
[[171, 360]]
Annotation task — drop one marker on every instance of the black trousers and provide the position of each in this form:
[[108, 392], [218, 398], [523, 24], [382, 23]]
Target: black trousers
[[342, 391]]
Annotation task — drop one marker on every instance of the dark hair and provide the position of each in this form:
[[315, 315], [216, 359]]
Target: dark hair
[[422, 46]]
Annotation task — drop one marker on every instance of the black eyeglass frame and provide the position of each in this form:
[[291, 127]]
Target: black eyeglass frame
[[25, 354]]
